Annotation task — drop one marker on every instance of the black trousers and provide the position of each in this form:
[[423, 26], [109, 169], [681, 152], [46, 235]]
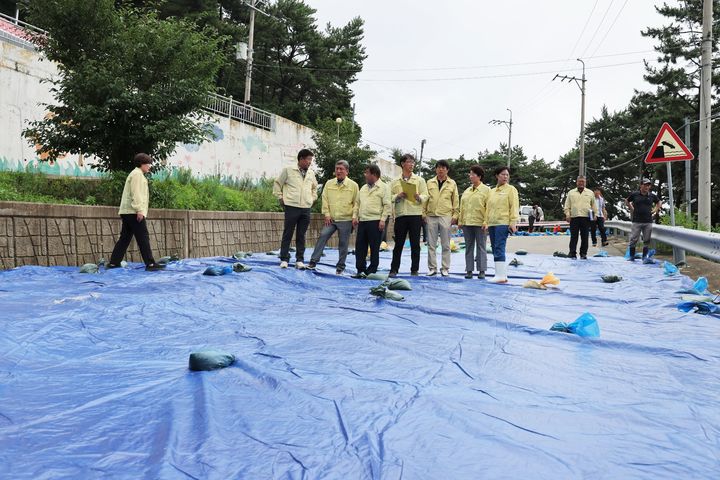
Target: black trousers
[[368, 235], [132, 228], [404, 226], [297, 220], [531, 223], [579, 226], [598, 224]]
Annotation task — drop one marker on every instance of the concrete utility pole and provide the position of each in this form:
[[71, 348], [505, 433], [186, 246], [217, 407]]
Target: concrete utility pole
[[509, 125], [251, 38], [581, 84], [422, 147], [688, 172], [704, 180]]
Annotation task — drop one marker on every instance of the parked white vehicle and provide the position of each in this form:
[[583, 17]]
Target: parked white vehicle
[[525, 211]]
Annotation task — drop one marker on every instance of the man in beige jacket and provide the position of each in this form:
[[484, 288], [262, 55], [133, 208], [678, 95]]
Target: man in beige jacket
[[580, 211], [296, 189], [133, 210]]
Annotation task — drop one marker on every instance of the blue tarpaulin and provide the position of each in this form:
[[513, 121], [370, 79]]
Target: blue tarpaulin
[[462, 380]]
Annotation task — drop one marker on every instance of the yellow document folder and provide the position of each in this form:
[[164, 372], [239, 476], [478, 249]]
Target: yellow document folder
[[410, 190]]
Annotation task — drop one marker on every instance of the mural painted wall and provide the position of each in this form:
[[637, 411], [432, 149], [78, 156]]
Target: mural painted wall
[[239, 150]]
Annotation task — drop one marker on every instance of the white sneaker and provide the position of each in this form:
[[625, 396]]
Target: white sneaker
[[300, 265], [432, 273], [283, 264], [444, 273]]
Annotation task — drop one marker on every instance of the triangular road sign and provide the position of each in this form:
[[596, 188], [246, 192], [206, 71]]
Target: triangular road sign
[[668, 147]]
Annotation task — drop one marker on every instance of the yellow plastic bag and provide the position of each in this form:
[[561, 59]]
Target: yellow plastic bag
[[534, 284], [454, 246], [550, 279]]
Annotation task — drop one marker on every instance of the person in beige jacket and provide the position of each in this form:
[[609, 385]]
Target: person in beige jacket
[[133, 210], [580, 211], [440, 212], [296, 189]]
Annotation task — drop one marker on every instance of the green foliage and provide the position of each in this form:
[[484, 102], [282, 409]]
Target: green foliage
[[177, 191], [330, 148], [128, 81]]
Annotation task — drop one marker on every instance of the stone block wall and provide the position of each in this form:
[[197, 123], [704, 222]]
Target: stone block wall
[[43, 234]]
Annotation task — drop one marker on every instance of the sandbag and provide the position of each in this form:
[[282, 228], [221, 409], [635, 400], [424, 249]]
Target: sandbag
[[397, 284], [89, 268], [384, 247], [384, 292], [696, 298], [218, 271], [210, 360], [240, 255], [376, 276], [239, 268], [521, 252], [534, 284], [697, 288], [550, 279], [560, 254], [611, 278], [669, 269], [703, 308], [515, 262], [586, 325]]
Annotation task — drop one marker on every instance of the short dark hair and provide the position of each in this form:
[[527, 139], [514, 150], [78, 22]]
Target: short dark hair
[[478, 170], [501, 169], [373, 169], [142, 159], [304, 153], [407, 156], [597, 189], [442, 163]]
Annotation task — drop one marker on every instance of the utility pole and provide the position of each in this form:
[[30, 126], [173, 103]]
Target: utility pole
[[704, 181], [580, 82], [509, 125], [688, 172], [422, 147], [251, 38]]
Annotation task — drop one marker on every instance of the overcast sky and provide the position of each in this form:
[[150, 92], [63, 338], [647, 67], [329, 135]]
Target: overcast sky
[[464, 38]]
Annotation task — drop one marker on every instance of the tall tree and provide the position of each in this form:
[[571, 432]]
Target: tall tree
[[128, 81]]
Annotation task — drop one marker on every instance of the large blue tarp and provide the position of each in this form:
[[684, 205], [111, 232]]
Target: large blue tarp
[[462, 380]]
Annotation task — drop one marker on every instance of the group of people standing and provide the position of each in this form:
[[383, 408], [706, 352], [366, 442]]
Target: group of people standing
[[480, 211]]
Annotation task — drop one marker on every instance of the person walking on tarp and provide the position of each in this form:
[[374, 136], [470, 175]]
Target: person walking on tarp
[[296, 189], [536, 215], [471, 219], [643, 205], [580, 211], [133, 210], [409, 193], [439, 214], [339, 197], [599, 223], [371, 210], [502, 212]]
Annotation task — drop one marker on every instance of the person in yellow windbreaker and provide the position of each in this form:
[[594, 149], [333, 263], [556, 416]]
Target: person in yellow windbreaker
[[580, 211], [502, 212], [471, 219], [296, 189], [133, 210], [339, 197], [371, 210], [440, 212]]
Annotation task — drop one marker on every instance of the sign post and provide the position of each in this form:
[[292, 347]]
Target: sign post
[[668, 148]]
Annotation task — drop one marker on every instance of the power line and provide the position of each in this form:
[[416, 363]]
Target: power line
[[611, 27], [587, 47]]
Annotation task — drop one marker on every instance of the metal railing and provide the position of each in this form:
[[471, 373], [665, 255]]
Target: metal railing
[[241, 112], [705, 244], [24, 25]]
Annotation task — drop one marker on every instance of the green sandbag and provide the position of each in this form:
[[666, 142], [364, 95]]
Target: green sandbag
[[377, 276], [521, 252], [560, 255], [239, 268], [383, 292], [397, 284], [240, 255], [611, 278], [168, 259], [516, 263], [210, 360], [89, 268], [697, 298]]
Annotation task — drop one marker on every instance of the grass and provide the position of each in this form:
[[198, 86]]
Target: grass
[[177, 190]]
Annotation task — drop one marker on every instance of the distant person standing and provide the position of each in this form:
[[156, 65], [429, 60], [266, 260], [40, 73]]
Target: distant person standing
[[580, 211], [369, 216], [296, 189], [408, 214], [502, 212], [339, 196], [599, 223], [440, 213], [536, 215], [643, 206], [133, 211], [471, 219]]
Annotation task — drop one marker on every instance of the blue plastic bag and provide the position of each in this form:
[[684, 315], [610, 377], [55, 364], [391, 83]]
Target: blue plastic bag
[[585, 326], [218, 271], [669, 268], [601, 253], [703, 308], [697, 288]]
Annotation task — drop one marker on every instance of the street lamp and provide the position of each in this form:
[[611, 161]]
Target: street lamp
[[338, 120]]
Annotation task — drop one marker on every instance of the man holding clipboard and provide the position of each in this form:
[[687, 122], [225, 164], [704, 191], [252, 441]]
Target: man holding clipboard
[[408, 194]]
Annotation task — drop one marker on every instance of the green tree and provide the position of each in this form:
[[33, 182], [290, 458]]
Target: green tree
[[331, 147], [128, 81]]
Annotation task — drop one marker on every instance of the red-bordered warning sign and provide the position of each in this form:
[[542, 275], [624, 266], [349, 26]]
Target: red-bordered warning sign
[[668, 147]]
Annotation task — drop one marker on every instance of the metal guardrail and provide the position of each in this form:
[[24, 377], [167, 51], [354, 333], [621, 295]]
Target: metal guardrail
[[24, 25], [241, 112], [705, 244]]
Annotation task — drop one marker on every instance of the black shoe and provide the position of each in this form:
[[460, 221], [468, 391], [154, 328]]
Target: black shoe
[[153, 267], [605, 244], [469, 275], [392, 274], [339, 271], [572, 257], [594, 244], [311, 266], [415, 273], [111, 265], [481, 275], [583, 257]]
